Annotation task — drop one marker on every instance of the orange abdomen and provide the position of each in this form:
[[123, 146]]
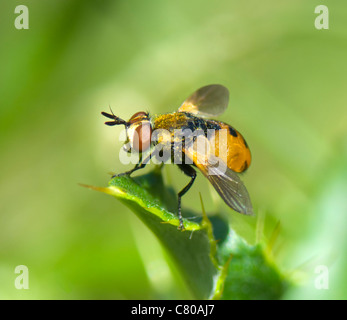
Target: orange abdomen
[[232, 148]]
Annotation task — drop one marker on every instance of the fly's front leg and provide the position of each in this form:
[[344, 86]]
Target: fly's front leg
[[190, 172], [140, 165]]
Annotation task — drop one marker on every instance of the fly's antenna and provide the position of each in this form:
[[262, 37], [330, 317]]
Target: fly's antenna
[[116, 120], [111, 110]]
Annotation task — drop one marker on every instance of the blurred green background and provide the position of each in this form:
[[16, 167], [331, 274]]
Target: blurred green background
[[288, 98]]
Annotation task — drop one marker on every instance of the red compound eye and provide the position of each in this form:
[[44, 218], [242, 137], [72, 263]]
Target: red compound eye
[[142, 136], [138, 116]]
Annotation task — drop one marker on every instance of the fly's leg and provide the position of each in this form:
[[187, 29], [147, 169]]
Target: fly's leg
[[190, 172], [140, 165]]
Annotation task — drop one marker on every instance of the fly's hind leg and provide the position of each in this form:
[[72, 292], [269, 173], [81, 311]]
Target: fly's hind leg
[[190, 172]]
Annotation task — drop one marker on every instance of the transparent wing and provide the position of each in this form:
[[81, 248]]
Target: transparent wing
[[231, 189], [211, 100], [226, 182]]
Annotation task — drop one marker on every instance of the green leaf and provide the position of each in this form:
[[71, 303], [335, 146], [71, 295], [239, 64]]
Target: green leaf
[[251, 274], [215, 262]]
